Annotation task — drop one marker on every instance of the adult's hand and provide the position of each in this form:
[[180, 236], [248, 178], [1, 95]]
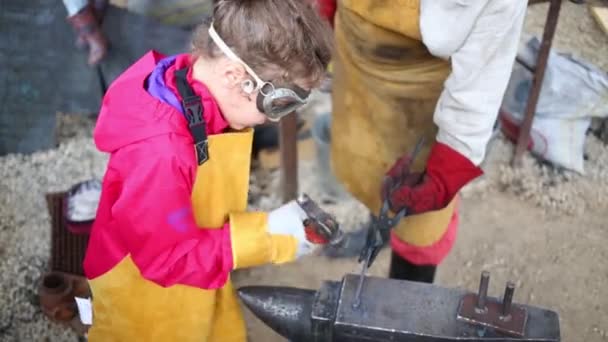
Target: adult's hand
[[327, 9], [447, 171]]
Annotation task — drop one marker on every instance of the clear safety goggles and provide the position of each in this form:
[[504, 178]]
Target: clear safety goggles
[[275, 101]]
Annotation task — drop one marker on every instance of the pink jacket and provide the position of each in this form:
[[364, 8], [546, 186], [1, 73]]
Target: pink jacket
[[145, 206]]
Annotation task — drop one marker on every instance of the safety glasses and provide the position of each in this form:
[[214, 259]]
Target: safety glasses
[[275, 101]]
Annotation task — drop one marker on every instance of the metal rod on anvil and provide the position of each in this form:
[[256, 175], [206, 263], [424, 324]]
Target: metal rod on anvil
[[483, 291], [507, 301], [357, 301], [394, 310], [382, 223]]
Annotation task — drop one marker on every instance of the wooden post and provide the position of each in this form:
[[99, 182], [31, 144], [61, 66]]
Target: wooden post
[[288, 136], [537, 79]]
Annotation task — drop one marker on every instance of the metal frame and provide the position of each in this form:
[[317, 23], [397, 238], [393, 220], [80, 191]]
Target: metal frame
[[288, 144], [538, 76]]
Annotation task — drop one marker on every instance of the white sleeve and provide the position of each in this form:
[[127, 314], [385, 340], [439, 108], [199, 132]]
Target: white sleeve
[[74, 6], [481, 67]]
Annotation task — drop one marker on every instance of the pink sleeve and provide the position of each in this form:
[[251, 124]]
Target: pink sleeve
[[154, 213]]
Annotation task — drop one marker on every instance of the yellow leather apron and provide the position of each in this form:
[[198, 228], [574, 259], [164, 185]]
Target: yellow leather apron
[[181, 313], [385, 88]]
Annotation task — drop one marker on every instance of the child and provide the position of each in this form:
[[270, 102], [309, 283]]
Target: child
[[171, 223]]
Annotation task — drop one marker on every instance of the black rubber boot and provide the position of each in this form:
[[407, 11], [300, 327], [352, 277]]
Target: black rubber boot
[[404, 270], [87, 30]]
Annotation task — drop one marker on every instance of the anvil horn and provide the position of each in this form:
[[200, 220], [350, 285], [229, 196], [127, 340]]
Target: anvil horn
[[286, 310]]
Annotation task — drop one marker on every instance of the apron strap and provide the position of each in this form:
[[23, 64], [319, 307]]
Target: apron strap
[[193, 109]]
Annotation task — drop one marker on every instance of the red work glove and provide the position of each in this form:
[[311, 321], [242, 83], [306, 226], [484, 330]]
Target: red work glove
[[447, 171], [327, 10]]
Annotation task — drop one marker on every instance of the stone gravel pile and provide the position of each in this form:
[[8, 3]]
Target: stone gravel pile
[[556, 191], [25, 231]]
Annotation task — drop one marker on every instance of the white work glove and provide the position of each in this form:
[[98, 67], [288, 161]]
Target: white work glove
[[288, 220]]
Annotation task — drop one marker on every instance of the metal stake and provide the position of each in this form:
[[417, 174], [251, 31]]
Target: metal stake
[[507, 300], [483, 292], [288, 145]]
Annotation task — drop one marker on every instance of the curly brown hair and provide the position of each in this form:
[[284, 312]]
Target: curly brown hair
[[278, 39]]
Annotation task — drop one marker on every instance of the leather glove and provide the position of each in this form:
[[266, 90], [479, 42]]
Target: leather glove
[[288, 220], [447, 171], [327, 9]]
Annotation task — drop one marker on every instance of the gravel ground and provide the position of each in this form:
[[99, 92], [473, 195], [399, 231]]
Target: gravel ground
[[577, 33], [542, 228], [25, 231]]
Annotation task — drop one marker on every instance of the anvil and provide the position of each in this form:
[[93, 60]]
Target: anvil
[[397, 311]]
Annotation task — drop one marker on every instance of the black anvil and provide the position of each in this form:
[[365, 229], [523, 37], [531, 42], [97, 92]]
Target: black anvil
[[397, 311]]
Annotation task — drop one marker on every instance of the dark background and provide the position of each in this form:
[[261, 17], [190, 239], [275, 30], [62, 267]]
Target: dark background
[[42, 72]]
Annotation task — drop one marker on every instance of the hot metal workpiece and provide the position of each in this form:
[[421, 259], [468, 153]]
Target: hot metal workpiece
[[320, 226], [390, 310]]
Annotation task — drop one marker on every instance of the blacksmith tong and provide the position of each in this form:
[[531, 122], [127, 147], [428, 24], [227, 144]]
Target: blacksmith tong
[[381, 225]]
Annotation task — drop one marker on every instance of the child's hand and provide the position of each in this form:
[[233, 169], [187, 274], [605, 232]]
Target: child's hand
[[288, 220]]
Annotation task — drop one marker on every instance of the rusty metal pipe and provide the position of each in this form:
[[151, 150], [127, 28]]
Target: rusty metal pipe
[[537, 80], [288, 131], [507, 300]]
